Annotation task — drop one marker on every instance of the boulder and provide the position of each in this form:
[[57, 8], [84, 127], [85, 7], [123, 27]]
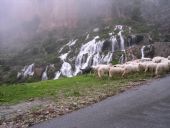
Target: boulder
[[107, 46], [38, 71]]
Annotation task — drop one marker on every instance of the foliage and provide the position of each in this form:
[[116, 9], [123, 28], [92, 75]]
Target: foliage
[[114, 62]]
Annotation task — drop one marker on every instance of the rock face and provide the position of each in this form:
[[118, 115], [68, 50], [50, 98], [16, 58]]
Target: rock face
[[115, 45], [149, 51], [38, 71], [139, 39], [162, 49]]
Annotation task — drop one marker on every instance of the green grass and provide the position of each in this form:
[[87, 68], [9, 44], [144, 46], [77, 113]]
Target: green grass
[[66, 87]]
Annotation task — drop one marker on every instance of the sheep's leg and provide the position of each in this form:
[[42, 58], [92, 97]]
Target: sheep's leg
[[99, 73], [146, 69], [124, 73], [110, 74]]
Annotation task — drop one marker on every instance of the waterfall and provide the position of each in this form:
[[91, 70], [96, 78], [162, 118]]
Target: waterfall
[[87, 37], [66, 70], [90, 54], [44, 75], [142, 52], [114, 41], [108, 58], [70, 43], [92, 50], [96, 59], [122, 41], [121, 60], [57, 75], [28, 70], [63, 57], [88, 62], [118, 27], [19, 74]]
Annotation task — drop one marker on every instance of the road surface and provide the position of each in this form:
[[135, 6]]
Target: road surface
[[147, 106]]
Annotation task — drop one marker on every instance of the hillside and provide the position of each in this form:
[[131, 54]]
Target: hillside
[[110, 40], [49, 38]]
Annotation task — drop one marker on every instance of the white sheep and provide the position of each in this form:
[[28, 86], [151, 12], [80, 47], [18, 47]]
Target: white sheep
[[162, 68], [115, 71], [145, 59], [95, 69], [151, 67], [158, 59], [119, 65], [168, 57], [103, 69], [166, 61], [142, 66], [133, 61], [130, 68]]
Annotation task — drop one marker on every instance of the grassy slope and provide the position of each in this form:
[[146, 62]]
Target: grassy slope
[[66, 87]]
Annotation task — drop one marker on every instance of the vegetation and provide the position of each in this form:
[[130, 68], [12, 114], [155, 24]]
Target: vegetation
[[66, 87]]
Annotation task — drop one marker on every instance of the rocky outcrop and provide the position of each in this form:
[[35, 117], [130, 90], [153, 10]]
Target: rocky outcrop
[[162, 49], [38, 71], [114, 44], [139, 39]]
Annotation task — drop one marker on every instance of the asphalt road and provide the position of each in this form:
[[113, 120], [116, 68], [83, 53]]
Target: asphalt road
[[147, 106]]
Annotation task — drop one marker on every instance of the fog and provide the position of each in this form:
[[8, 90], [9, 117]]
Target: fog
[[21, 20], [53, 13]]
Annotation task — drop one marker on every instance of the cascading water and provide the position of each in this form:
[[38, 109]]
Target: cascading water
[[122, 41], [92, 50], [57, 75], [87, 37], [142, 52], [96, 59], [121, 60], [118, 27], [114, 41], [70, 43], [63, 57], [44, 75], [108, 58], [66, 70], [88, 62], [28, 71], [90, 55], [19, 74]]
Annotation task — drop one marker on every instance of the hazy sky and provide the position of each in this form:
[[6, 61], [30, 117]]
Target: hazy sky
[[21, 19], [15, 12]]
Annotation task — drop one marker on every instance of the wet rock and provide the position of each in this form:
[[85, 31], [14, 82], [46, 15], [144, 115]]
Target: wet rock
[[149, 51], [107, 46], [38, 71], [139, 39], [161, 49]]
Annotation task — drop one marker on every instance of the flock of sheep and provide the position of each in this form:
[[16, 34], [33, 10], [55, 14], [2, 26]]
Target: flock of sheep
[[157, 66]]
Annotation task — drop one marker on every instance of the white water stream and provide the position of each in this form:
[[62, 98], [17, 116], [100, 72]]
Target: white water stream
[[44, 75], [142, 52], [28, 70]]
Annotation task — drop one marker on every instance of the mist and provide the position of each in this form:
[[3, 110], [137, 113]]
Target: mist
[[22, 20]]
